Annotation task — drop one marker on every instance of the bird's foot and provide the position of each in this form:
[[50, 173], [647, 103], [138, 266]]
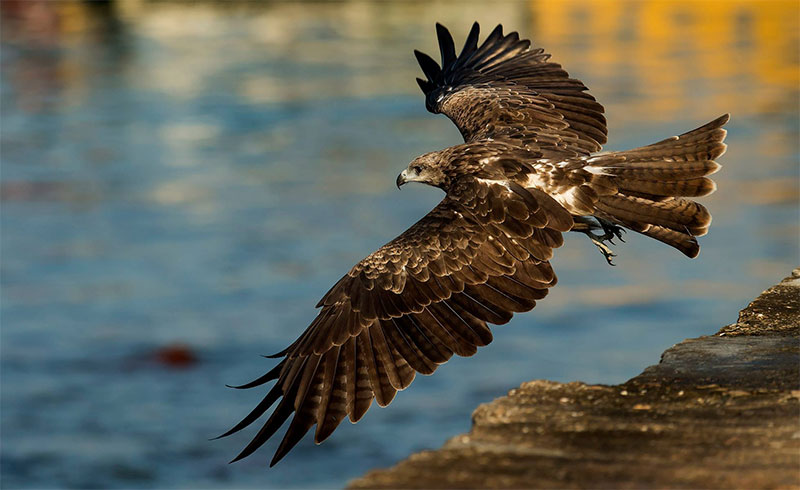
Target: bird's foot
[[610, 231], [598, 241]]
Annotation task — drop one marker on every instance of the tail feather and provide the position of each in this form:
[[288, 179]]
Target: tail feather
[[676, 214], [682, 241], [653, 181], [660, 170], [691, 187], [710, 132]]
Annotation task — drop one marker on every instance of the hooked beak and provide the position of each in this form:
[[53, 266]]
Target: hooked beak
[[401, 179]]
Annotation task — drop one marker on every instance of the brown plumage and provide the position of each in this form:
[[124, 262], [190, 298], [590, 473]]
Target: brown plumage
[[523, 176]]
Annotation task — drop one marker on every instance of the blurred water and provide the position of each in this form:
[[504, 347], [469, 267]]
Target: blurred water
[[202, 173]]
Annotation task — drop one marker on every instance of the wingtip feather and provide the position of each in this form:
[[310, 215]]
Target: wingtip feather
[[498, 29], [256, 413], [446, 46], [276, 355], [275, 421], [429, 66], [268, 376]]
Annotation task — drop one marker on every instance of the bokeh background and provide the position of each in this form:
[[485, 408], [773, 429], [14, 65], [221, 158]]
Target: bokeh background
[[181, 182]]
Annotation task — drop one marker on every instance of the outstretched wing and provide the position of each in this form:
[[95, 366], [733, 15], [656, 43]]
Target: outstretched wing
[[505, 89], [476, 258]]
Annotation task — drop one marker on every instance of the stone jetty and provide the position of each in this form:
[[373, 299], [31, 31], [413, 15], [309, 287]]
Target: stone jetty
[[721, 411]]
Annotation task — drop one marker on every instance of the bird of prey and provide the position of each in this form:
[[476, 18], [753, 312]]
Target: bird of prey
[[528, 171]]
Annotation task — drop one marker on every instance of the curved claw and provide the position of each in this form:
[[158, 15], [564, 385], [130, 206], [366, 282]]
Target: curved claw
[[608, 254], [610, 231]]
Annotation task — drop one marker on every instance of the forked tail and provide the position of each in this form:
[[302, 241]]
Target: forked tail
[[645, 189]]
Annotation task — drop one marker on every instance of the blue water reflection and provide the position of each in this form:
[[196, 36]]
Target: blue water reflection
[[178, 173]]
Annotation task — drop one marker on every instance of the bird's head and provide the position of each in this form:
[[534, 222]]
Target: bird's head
[[425, 169]]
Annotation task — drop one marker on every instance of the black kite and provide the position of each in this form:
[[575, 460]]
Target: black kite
[[527, 172]]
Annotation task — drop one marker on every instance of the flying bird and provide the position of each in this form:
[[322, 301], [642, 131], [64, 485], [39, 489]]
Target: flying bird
[[528, 171]]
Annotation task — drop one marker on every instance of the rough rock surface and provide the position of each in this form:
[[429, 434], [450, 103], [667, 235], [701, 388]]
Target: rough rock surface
[[721, 411]]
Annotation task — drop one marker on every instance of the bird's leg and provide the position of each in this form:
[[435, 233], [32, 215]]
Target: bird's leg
[[611, 231], [586, 224]]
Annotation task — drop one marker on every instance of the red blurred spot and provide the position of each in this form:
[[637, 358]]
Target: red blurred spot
[[176, 356]]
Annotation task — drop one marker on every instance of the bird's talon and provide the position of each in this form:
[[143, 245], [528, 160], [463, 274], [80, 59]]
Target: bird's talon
[[610, 232]]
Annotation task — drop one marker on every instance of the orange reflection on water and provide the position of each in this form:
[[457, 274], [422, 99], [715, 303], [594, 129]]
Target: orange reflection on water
[[695, 57]]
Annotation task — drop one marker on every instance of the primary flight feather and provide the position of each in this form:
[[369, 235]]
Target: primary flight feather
[[528, 171]]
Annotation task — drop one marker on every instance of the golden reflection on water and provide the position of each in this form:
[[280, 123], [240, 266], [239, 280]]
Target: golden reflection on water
[[737, 56], [744, 51], [662, 47]]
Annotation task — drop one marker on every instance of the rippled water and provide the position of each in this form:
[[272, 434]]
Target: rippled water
[[199, 174]]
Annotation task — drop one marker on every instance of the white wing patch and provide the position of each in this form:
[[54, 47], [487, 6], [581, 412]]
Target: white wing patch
[[564, 195], [541, 179], [491, 182], [596, 170], [570, 201]]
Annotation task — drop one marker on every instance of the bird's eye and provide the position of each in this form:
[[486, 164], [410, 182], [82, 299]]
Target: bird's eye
[[417, 169]]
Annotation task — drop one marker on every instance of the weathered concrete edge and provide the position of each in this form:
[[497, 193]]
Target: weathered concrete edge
[[744, 354], [749, 367]]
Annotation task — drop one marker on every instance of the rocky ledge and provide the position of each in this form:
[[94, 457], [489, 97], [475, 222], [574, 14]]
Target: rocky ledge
[[721, 411]]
